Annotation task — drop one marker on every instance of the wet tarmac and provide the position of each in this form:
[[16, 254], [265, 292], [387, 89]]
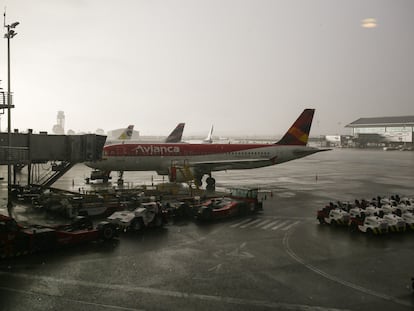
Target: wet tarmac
[[280, 259]]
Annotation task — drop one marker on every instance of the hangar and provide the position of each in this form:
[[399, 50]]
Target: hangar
[[383, 130]]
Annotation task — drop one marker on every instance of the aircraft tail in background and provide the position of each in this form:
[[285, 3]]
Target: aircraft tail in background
[[176, 135], [209, 138], [127, 133], [298, 133]]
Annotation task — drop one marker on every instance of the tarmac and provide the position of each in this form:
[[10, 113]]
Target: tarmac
[[279, 259]]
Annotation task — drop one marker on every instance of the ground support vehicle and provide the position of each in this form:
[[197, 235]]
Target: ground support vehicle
[[250, 198], [240, 201], [17, 239], [408, 217], [92, 205], [374, 211], [395, 223], [389, 209], [105, 176], [368, 224], [333, 216], [70, 205], [218, 208], [356, 212], [403, 208], [178, 209], [149, 214]]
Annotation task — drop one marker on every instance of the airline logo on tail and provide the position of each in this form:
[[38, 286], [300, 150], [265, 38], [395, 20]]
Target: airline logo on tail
[[127, 133], [298, 133]]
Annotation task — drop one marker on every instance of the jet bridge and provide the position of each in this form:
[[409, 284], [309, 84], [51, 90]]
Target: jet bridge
[[60, 152]]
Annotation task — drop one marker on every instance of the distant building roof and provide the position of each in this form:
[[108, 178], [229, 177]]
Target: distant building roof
[[382, 121]]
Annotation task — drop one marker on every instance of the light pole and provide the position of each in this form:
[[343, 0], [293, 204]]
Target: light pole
[[9, 35]]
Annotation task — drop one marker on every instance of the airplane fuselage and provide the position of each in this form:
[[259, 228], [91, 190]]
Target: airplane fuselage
[[205, 157]]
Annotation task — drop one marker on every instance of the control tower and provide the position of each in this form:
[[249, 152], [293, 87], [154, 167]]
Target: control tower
[[59, 127]]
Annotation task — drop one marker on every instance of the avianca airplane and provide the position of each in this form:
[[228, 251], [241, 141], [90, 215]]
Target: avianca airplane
[[183, 162]]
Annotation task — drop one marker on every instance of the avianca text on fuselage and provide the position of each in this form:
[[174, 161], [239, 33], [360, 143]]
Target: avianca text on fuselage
[[151, 150], [155, 150]]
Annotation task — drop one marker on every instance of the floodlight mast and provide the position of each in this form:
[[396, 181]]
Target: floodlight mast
[[10, 33]]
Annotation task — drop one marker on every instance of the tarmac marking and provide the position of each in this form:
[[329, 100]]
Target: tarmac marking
[[280, 225], [271, 224], [241, 223], [152, 291], [262, 223], [250, 223], [359, 288]]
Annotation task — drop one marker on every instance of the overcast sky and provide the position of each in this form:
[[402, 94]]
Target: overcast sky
[[247, 66]]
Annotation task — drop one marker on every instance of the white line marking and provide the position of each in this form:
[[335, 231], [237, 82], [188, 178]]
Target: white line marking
[[241, 223], [250, 223], [262, 223], [364, 290], [271, 224], [280, 225]]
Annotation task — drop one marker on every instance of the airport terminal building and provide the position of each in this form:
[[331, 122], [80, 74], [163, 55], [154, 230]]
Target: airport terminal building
[[389, 131]]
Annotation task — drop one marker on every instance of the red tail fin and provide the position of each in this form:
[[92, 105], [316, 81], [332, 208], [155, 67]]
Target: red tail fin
[[299, 132]]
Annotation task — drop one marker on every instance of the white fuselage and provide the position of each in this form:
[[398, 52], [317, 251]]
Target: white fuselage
[[161, 157]]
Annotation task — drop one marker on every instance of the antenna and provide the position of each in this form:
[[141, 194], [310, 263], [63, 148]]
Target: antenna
[[4, 17]]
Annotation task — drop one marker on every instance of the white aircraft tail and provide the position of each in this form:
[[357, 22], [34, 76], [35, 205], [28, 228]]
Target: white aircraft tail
[[209, 138]]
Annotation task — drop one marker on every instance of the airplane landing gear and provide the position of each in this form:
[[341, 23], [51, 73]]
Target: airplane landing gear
[[198, 181], [211, 184], [120, 178]]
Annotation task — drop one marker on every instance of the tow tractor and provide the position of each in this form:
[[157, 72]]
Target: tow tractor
[[149, 214], [368, 224], [395, 223], [333, 215], [408, 217], [17, 239]]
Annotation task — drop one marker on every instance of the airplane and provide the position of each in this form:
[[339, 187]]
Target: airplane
[[125, 135], [174, 137], [183, 162], [209, 138]]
